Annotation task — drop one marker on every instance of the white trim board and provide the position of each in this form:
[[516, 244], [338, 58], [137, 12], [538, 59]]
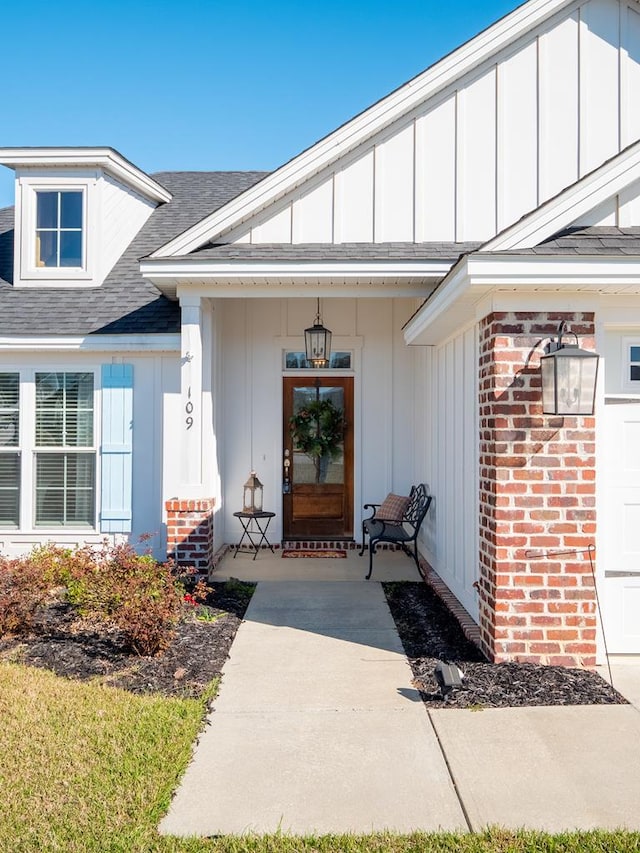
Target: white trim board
[[391, 278], [105, 158], [93, 343]]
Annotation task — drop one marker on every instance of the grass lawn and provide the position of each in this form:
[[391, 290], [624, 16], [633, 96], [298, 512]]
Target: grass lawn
[[85, 767]]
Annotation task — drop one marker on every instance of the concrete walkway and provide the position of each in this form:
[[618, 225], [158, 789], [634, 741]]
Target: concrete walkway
[[317, 729]]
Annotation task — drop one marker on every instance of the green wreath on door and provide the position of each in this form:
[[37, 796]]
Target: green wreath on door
[[317, 431]]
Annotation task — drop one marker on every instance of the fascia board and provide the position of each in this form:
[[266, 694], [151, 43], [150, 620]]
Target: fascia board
[[295, 289], [519, 272], [580, 198], [92, 343], [365, 125], [187, 268], [453, 303], [105, 158]]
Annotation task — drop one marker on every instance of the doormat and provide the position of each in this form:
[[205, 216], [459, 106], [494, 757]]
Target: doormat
[[314, 552]]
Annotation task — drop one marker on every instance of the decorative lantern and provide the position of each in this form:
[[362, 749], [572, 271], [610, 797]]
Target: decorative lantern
[[569, 377], [252, 494], [317, 341]]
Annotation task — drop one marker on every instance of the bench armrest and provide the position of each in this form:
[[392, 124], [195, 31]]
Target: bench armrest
[[373, 507]]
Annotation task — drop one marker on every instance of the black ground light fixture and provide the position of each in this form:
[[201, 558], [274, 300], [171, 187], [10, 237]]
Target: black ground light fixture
[[317, 341], [449, 677], [569, 377]]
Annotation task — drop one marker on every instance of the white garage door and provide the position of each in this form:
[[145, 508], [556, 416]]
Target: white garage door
[[619, 526]]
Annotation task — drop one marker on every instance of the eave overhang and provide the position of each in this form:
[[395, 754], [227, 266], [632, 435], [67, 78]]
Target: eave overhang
[[108, 159], [461, 298], [385, 277]]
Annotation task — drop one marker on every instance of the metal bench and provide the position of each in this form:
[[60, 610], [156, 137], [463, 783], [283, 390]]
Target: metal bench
[[400, 533]]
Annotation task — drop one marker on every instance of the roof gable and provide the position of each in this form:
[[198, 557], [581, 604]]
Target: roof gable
[[363, 127]]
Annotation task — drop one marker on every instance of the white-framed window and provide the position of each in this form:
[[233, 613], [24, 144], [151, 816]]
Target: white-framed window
[[338, 360], [633, 363], [9, 449], [65, 457], [56, 216], [48, 452], [59, 228]]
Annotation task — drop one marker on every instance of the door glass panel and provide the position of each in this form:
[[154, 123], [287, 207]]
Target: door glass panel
[[317, 430]]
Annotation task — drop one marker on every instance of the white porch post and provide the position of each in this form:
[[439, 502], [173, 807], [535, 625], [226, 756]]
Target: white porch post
[[191, 395], [190, 514]]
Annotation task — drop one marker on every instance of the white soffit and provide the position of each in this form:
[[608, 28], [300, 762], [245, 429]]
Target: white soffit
[[568, 206], [108, 159], [364, 126], [457, 301]]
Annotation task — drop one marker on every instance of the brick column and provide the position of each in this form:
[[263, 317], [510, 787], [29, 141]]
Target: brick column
[[537, 496], [190, 533]]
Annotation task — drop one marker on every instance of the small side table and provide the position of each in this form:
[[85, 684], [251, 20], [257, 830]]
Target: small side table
[[247, 533]]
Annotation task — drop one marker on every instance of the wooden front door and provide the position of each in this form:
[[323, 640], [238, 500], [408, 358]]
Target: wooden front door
[[318, 457]]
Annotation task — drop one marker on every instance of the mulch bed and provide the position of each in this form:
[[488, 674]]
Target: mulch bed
[[74, 648], [430, 633]]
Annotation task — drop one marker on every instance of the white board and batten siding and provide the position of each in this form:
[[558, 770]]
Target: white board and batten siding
[[447, 431], [486, 149]]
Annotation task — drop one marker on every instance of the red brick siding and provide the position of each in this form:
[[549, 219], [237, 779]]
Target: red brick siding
[[537, 495], [190, 532]]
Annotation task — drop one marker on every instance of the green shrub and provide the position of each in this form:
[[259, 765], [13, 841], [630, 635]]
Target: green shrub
[[121, 588], [111, 584], [23, 588]]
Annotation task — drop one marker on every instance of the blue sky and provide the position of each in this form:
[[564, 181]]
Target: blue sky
[[213, 85]]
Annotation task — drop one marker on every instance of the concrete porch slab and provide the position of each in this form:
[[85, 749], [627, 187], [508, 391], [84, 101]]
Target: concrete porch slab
[[387, 566]]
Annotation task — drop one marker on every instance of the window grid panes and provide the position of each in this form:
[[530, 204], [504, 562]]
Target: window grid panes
[[59, 228], [298, 361], [634, 363], [65, 476], [9, 453]]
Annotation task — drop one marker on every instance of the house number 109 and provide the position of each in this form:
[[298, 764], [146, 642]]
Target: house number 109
[[189, 410]]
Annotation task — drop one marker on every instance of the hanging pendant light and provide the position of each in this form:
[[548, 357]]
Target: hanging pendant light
[[317, 341]]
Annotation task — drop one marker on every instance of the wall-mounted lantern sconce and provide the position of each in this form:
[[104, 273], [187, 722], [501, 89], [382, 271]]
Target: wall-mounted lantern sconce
[[569, 377], [252, 494], [317, 341]]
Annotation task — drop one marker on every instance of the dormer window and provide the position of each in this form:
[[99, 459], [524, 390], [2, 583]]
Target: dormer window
[[77, 210], [58, 217], [59, 229]]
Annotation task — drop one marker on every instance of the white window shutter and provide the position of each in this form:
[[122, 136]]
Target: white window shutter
[[116, 450]]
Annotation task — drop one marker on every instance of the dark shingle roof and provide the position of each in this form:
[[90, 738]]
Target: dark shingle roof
[[334, 251], [125, 303], [588, 240]]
